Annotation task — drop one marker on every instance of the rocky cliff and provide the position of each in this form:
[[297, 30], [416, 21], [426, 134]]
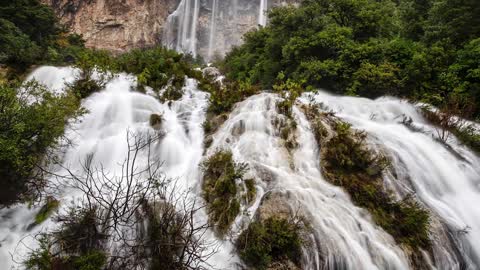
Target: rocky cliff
[[201, 27], [115, 25]]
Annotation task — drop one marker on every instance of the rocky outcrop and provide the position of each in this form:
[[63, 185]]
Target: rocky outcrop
[[115, 25]]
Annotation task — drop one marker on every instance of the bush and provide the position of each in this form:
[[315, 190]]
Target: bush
[[31, 122], [157, 67], [75, 245], [220, 191], [274, 239], [224, 96]]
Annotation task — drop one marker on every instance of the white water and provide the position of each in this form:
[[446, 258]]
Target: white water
[[262, 16], [344, 235], [210, 28], [181, 28], [213, 27], [447, 184]]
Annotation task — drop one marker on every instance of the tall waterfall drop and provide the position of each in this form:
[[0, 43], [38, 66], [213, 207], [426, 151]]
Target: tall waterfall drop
[[262, 17], [211, 28]]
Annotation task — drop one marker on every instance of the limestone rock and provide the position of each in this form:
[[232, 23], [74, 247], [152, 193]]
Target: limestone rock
[[115, 25]]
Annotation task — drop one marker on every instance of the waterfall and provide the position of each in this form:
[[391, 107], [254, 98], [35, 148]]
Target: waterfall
[[206, 28], [213, 24], [262, 17], [344, 236], [180, 32]]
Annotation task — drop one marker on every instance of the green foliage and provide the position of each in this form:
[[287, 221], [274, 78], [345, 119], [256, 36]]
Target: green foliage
[[157, 67], [79, 233], [419, 49], [93, 260], [273, 239], [224, 95], [47, 210], [30, 34], [348, 162], [469, 136], [251, 190], [80, 249], [42, 258], [30, 122], [220, 190]]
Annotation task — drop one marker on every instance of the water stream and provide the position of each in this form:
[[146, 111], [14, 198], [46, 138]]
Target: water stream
[[445, 180]]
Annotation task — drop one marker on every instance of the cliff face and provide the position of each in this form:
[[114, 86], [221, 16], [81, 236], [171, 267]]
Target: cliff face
[[115, 25], [201, 27]]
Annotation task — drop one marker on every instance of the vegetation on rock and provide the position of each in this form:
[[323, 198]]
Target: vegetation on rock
[[272, 240], [47, 210], [349, 163], [221, 177], [32, 120]]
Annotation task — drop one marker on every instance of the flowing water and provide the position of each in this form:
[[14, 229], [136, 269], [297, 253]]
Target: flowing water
[[211, 28], [445, 179]]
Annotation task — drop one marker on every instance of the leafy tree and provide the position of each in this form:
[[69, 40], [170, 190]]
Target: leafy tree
[[31, 120]]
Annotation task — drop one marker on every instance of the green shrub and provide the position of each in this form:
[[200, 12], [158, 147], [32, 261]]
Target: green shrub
[[274, 239], [84, 87], [76, 244], [224, 96], [93, 260], [27, 131], [220, 190]]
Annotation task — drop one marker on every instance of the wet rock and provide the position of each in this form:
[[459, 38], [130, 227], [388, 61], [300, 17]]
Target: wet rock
[[156, 121], [211, 72], [238, 129], [274, 204]]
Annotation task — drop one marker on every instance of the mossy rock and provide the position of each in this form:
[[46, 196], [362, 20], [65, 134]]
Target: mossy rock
[[220, 189], [348, 162], [156, 121], [50, 206]]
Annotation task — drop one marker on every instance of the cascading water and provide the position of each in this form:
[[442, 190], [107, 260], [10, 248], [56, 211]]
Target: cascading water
[[210, 28], [446, 180], [343, 236], [181, 31], [262, 16], [213, 26]]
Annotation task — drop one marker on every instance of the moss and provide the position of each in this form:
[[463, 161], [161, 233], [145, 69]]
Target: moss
[[271, 240], [251, 190], [93, 260], [47, 210], [349, 163], [220, 189]]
